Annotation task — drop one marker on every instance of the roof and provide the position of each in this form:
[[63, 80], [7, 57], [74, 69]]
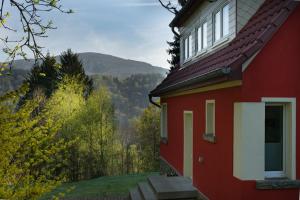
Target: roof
[[186, 11], [226, 63]]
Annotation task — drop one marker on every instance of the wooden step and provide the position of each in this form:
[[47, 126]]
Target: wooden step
[[147, 191], [173, 187], [135, 194]]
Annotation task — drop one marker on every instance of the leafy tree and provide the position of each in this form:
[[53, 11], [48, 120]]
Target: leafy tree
[[32, 154], [147, 131], [92, 124], [72, 66]]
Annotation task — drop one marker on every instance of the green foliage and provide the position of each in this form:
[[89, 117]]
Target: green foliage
[[130, 95], [43, 77], [147, 131], [72, 66], [174, 52], [97, 143], [32, 154]]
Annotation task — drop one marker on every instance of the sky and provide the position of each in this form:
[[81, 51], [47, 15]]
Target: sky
[[131, 29]]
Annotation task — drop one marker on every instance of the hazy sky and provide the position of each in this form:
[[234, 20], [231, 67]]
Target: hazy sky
[[133, 29]]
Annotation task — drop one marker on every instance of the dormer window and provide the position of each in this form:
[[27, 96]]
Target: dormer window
[[202, 37], [188, 47], [221, 23]]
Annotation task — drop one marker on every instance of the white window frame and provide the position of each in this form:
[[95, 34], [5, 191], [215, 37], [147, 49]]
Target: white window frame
[[202, 48], [164, 121], [214, 117], [280, 174], [188, 47], [289, 155], [222, 36]]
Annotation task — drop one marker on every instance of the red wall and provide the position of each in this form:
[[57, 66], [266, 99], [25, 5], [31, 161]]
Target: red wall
[[275, 72]]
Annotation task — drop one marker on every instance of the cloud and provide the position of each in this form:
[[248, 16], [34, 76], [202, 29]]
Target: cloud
[[136, 33]]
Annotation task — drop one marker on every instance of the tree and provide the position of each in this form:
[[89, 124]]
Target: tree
[[174, 46], [174, 52], [43, 77], [31, 25], [32, 154], [72, 66], [147, 128]]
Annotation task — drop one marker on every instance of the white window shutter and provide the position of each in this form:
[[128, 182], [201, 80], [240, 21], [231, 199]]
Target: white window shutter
[[249, 141]]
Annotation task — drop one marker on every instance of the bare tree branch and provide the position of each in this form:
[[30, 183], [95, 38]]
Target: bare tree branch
[[169, 6], [32, 26]]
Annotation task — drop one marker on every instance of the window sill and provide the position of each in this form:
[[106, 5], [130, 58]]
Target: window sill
[[220, 42], [273, 184], [201, 53], [164, 140], [188, 60], [209, 137]]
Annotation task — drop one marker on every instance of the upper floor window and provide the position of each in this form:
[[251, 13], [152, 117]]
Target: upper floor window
[[221, 23], [188, 47], [202, 37]]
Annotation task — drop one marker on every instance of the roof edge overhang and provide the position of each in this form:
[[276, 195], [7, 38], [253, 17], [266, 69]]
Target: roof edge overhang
[[185, 12], [217, 75]]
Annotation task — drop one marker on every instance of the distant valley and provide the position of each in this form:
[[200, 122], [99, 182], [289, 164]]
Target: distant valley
[[128, 81]]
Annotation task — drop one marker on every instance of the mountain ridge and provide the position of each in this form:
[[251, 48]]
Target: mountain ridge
[[104, 64]]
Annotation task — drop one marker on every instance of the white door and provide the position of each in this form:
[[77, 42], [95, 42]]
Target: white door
[[188, 144]]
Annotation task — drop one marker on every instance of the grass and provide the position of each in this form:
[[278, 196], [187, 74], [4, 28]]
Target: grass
[[111, 186]]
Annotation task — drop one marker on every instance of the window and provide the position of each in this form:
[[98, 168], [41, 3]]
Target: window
[[274, 140], [221, 23], [202, 37], [280, 137], [210, 117], [188, 47], [163, 121], [265, 139]]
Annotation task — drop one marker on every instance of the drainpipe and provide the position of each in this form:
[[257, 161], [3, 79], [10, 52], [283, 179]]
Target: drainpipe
[[152, 102]]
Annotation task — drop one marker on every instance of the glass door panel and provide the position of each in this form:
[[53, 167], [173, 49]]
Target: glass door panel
[[274, 138]]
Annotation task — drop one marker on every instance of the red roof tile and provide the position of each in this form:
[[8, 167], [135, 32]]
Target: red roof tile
[[226, 63]]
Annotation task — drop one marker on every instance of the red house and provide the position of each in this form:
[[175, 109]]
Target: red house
[[230, 111]]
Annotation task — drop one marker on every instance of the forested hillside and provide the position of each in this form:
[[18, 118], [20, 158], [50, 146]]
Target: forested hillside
[[74, 126], [12, 81], [97, 63], [130, 95]]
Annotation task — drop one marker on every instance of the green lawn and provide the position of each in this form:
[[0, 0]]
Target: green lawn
[[100, 187]]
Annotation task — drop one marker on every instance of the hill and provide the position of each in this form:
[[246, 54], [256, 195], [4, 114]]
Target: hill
[[130, 95], [97, 63], [94, 64]]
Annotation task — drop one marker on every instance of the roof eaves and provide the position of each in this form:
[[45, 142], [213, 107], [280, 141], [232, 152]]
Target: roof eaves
[[189, 8], [203, 77]]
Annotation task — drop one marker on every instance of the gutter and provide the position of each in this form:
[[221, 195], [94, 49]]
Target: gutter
[[152, 102], [203, 77]]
